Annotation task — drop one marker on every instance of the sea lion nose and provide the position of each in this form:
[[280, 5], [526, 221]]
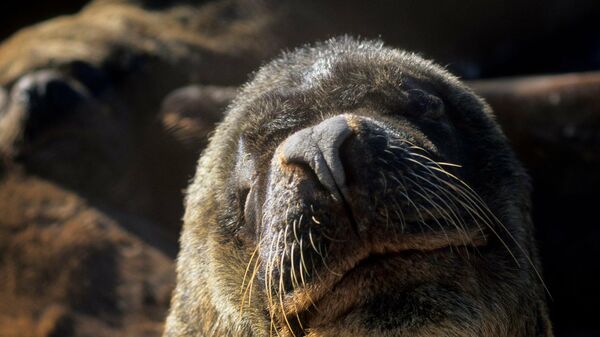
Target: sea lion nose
[[318, 147]]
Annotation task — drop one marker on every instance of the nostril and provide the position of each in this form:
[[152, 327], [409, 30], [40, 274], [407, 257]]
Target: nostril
[[46, 97], [48, 93], [318, 147], [61, 96]]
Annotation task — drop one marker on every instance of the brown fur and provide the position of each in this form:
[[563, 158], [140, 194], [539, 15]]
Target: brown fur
[[90, 174], [433, 283], [69, 268]]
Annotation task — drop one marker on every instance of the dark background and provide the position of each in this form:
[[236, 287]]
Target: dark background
[[511, 37]]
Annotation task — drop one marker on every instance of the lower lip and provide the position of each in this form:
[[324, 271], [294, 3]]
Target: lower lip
[[365, 276]]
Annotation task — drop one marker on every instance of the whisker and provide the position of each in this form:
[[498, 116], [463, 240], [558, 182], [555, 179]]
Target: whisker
[[477, 213], [435, 218], [481, 208], [242, 288], [281, 288], [327, 266], [303, 268], [269, 284], [294, 279], [452, 207], [481, 203]]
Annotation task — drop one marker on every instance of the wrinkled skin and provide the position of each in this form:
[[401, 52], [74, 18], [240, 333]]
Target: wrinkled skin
[[427, 233]]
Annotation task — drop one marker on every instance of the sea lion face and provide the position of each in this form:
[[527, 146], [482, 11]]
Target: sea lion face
[[355, 190]]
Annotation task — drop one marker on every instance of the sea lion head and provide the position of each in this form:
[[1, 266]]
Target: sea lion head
[[358, 190]]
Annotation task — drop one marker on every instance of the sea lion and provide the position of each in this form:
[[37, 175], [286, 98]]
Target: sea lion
[[358, 190]]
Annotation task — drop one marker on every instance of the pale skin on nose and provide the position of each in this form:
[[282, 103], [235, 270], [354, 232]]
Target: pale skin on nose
[[318, 147]]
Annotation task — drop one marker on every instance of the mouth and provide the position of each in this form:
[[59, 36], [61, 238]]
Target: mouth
[[399, 213], [367, 272]]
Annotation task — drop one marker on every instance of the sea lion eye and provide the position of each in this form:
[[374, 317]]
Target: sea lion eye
[[249, 209], [422, 104], [245, 173], [243, 196]]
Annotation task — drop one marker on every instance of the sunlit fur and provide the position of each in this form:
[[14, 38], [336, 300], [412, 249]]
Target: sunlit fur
[[435, 240]]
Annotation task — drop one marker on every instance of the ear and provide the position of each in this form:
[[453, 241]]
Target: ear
[[191, 113]]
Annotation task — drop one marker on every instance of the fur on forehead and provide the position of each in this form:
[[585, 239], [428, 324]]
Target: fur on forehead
[[312, 66], [339, 73], [327, 75]]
